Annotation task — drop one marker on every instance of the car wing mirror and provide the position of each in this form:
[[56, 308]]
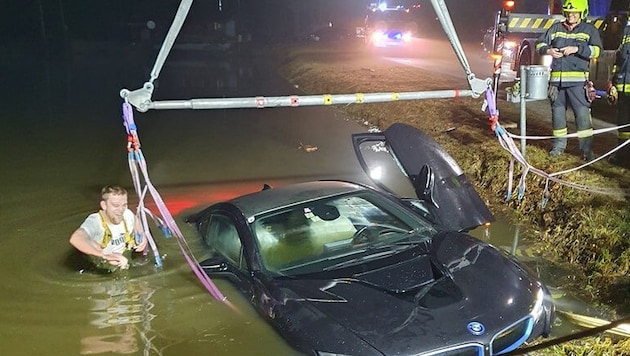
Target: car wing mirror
[[424, 184]]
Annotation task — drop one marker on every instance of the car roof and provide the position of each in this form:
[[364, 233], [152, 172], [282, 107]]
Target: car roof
[[270, 199]]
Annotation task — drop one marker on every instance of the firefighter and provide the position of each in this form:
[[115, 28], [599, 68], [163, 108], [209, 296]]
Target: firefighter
[[619, 93], [571, 43]]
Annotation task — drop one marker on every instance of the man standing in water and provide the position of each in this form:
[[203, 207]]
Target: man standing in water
[[105, 236]]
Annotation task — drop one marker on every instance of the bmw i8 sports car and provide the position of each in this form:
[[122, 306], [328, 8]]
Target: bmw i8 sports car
[[342, 268]]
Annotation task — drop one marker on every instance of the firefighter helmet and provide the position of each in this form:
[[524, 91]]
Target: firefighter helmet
[[580, 6]]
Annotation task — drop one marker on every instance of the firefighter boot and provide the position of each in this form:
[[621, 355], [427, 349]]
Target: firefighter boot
[[559, 144], [586, 146]]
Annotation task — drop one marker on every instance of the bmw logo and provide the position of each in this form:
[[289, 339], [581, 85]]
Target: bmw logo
[[476, 328]]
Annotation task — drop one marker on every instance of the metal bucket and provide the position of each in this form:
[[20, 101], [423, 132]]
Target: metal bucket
[[536, 82]]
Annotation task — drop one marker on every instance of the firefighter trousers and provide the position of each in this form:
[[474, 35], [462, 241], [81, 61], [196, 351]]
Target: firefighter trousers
[[573, 97]]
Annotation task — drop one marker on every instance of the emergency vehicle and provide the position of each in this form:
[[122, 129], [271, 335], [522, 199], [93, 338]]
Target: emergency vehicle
[[388, 26], [520, 23]]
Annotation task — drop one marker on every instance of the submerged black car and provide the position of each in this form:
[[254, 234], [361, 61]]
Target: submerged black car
[[341, 268]]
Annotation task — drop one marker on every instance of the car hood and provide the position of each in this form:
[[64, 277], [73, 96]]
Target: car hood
[[406, 308]]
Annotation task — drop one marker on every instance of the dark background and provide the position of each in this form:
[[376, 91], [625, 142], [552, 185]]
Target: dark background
[[263, 20]]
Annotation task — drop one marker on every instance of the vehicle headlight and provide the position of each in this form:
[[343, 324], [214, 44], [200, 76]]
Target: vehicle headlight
[[378, 36], [538, 309], [510, 44]]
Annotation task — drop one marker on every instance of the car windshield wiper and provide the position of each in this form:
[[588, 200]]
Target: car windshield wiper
[[368, 252], [386, 228], [371, 254], [321, 260]]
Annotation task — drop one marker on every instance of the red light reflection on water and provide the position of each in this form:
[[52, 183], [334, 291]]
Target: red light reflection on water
[[181, 199]]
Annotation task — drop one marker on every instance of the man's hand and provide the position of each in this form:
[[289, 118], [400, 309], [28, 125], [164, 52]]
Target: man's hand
[[555, 52], [562, 52], [569, 50], [117, 259], [142, 244]]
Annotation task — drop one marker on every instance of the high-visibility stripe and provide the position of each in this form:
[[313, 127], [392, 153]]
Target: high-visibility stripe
[[582, 75], [576, 77], [623, 135], [540, 23], [585, 133], [595, 51], [623, 88], [560, 132], [599, 24], [574, 36]]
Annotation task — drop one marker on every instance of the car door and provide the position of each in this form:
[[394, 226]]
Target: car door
[[226, 232], [405, 161], [223, 236]]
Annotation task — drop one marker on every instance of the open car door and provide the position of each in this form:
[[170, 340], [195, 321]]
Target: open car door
[[405, 161]]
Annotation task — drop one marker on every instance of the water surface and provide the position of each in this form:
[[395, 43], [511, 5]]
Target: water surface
[[62, 139]]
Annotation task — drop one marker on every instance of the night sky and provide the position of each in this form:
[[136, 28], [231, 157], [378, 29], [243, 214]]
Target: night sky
[[57, 20]]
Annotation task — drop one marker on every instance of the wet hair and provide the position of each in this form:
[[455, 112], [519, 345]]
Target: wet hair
[[112, 189]]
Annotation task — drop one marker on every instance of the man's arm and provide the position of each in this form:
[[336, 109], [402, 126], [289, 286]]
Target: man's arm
[[82, 242], [543, 42], [586, 50], [594, 48], [543, 45]]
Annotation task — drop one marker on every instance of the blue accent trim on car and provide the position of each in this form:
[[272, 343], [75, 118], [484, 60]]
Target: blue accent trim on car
[[464, 349], [519, 342]]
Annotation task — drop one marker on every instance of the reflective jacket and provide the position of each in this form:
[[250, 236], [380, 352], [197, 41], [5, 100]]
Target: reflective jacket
[[573, 69], [621, 69]]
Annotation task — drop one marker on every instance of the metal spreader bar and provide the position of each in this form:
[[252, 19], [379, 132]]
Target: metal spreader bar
[[295, 100]]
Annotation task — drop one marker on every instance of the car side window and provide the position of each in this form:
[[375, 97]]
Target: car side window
[[223, 237]]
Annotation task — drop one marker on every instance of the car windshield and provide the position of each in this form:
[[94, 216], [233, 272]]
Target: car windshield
[[314, 236]]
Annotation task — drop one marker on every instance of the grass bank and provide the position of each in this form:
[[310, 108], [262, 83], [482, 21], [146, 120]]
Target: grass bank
[[584, 231]]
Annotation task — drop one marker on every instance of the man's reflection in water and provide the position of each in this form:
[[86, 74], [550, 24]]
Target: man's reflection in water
[[122, 315], [121, 341]]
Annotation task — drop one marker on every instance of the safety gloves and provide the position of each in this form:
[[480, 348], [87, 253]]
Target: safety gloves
[[589, 90], [552, 93], [611, 93]]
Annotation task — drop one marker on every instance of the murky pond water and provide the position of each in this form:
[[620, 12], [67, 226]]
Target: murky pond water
[[62, 139]]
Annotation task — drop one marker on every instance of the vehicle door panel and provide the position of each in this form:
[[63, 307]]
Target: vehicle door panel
[[400, 153]]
